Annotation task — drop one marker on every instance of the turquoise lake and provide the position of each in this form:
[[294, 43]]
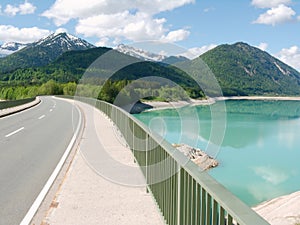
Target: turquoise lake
[[260, 150]]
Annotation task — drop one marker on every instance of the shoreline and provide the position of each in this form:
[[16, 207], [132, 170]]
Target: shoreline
[[159, 105], [283, 210]]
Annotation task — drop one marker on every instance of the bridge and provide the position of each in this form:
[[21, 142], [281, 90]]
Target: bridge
[[184, 194]]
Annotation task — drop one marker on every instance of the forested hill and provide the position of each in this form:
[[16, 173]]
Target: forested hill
[[72, 65], [245, 70], [240, 69]]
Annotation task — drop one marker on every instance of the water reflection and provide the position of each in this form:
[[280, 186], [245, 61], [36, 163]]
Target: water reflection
[[260, 151], [249, 121]]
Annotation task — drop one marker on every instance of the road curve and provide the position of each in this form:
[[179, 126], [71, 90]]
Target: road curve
[[31, 145]]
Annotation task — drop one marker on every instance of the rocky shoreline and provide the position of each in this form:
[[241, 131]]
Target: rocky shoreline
[[196, 155], [156, 105], [284, 210]]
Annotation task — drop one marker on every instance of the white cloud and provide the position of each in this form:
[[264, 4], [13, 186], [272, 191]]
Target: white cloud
[[24, 35], [26, 8], [176, 35], [290, 56], [276, 15], [102, 42], [64, 10], [61, 30], [133, 27], [11, 10], [133, 20], [269, 3], [263, 46], [23, 9], [197, 51]]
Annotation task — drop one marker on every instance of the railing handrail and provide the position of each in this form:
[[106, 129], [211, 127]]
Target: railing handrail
[[236, 210]]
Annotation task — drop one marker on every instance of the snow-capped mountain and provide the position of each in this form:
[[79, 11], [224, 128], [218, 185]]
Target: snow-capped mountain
[[64, 41], [10, 47], [149, 56], [43, 52], [140, 53]]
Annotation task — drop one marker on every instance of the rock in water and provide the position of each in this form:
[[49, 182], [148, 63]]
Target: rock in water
[[198, 156]]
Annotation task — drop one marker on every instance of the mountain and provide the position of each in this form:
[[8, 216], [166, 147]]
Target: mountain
[[64, 41], [140, 53], [72, 65], [149, 56], [240, 69], [175, 59], [42, 52], [10, 47], [245, 70]]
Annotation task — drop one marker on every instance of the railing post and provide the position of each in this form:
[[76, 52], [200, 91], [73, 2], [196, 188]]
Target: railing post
[[215, 212], [178, 195], [133, 142], [147, 148]]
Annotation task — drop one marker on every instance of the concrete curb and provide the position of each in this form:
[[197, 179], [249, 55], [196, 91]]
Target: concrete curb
[[16, 109]]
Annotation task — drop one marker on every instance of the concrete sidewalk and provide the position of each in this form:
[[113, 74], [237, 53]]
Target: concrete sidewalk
[[86, 197]]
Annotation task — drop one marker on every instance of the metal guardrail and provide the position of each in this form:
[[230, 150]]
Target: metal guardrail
[[13, 103], [184, 195]]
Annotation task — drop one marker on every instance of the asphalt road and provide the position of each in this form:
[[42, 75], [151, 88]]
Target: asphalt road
[[31, 144]]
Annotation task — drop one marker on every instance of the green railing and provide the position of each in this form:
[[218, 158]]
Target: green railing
[[184, 194], [13, 103]]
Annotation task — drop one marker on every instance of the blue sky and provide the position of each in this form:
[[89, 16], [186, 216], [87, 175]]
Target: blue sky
[[197, 25]]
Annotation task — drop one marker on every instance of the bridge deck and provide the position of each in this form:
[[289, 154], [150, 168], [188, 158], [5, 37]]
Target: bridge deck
[[86, 197]]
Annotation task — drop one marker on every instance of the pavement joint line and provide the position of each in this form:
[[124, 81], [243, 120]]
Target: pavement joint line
[[14, 132], [36, 204]]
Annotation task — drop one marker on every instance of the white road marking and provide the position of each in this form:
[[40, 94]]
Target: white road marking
[[51, 110], [41, 117], [14, 132], [36, 204]]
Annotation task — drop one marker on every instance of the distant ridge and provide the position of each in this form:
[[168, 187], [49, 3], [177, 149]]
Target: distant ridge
[[149, 56], [10, 47]]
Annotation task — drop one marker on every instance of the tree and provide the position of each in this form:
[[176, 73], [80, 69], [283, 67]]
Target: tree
[[50, 88], [70, 88]]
